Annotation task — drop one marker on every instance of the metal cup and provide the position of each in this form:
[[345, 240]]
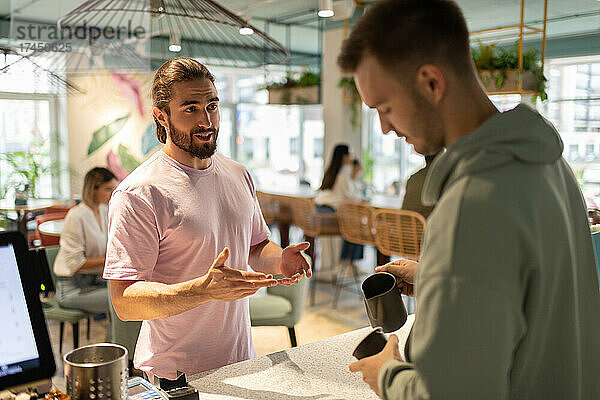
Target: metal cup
[[97, 372]]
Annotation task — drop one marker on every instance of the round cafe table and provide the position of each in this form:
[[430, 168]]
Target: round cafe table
[[52, 228], [22, 210]]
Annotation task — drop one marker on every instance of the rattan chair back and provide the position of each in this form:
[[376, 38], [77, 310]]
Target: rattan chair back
[[311, 222], [399, 233], [268, 205], [356, 222], [283, 208]]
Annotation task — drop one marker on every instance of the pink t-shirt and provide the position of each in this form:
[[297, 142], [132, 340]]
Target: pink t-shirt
[[167, 223]]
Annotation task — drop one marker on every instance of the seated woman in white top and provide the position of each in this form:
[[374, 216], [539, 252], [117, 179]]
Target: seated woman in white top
[[83, 240], [340, 182]]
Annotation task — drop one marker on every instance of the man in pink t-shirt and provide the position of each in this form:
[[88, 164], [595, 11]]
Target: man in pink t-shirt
[[182, 229]]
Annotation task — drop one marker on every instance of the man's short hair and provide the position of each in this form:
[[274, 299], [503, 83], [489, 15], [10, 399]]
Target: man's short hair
[[405, 34], [180, 69]]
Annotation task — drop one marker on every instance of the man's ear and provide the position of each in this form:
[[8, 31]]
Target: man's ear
[[161, 117], [431, 83]]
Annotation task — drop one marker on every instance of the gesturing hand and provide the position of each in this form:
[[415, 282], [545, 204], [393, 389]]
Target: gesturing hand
[[370, 366], [404, 271], [228, 284], [293, 264]]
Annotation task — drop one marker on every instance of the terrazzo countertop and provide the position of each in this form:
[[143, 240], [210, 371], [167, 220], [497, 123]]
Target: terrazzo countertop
[[313, 371]]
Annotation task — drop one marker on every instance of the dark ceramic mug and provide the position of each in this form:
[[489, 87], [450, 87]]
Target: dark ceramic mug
[[383, 302], [372, 344]]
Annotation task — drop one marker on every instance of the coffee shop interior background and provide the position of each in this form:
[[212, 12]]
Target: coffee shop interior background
[[61, 116], [279, 143]]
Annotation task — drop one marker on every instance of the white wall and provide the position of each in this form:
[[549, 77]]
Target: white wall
[[336, 114]]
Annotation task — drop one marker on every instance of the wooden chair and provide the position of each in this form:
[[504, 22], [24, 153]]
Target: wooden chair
[[269, 206], [399, 233], [48, 240], [277, 209], [50, 214], [355, 220], [313, 224]]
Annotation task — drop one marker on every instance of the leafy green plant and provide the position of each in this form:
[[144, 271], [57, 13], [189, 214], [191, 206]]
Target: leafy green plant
[[483, 56], [291, 81], [349, 86], [499, 60], [368, 161], [309, 78], [305, 79], [28, 167]]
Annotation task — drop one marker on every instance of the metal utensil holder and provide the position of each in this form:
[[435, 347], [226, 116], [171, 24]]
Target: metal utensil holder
[[97, 372]]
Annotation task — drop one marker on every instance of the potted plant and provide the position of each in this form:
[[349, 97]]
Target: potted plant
[[352, 98], [304, 89], [498, 69], [28, 167]]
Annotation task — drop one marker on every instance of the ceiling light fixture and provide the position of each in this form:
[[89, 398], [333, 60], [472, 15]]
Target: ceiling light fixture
[[175, 45], [244, 30], [325, 8], [211, 32]]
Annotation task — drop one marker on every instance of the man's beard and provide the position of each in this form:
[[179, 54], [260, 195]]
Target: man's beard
[[186, 142]]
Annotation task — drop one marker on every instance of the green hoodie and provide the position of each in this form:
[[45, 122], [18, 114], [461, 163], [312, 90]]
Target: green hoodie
[[508, 304]]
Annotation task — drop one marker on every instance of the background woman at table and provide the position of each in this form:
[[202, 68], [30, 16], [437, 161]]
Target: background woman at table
[[340, 182], [80, 258]]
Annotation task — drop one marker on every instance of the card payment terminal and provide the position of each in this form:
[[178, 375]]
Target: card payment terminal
[[140, 389]]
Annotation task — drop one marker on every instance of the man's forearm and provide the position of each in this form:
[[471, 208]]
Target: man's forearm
[[151, 300], [265, 257]]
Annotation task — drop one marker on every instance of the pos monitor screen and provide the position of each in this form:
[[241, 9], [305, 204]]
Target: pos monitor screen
[[25, 351]]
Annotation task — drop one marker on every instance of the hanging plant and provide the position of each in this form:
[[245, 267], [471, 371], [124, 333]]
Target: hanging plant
[[352, 98], [499, 69], [303, 89]]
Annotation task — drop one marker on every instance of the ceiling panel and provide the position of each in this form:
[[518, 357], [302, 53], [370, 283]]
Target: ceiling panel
[[566, 17]]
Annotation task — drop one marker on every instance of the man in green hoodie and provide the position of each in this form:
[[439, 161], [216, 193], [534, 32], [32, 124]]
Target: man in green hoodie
[[508, 303]]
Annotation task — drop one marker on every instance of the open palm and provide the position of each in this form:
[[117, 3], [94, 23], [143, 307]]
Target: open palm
[[293, 262]]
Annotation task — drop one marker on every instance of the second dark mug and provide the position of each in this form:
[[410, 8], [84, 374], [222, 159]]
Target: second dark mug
[[383, 302]]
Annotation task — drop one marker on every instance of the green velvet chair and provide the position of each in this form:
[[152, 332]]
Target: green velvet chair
[[54, 311], [282, 306]]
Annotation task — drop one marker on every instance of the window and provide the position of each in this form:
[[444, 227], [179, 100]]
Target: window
[[589, 149], [29, 135], [278, 123], [312, 132], [573, 151], [293, 145], [506, 102], [390, 160], [225, 131], [574, 109], [318, 147], [27, 139], [268, 148]]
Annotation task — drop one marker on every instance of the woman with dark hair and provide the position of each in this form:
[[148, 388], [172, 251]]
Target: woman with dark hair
[[83, 240], [340, 182]]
